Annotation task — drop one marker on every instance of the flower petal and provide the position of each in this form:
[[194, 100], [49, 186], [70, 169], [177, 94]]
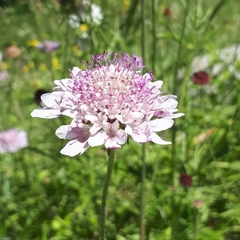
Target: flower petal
[[156, 139], [111, 143], [46, 113], [161, 124], [74, 148], [97, 140], [51, 99], [62, 131], [121, 136]]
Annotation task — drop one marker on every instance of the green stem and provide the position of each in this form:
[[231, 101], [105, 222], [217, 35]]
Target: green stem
[[104, 193], [174, 129], [66, 48], [143, 31], [154, 39], [142, 210], [179, 52], [196, 225], [6, 177], [143, 170]]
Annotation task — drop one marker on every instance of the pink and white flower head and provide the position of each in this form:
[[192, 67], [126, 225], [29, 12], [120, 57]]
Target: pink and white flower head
[[12, 140], [108, 101]]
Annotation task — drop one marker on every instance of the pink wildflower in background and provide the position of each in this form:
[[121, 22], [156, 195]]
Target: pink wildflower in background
[[198, 203], [4, 75], [108, 101], [12, 140], [48, 46], [13, 52]]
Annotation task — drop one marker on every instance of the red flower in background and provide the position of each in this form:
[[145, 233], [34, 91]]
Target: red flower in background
[[167, 12], [185, 180], [200, 77]]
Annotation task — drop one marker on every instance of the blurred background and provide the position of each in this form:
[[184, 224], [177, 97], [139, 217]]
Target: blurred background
[[191, 187]]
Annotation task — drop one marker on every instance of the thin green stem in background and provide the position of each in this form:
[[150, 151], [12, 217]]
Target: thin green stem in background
[[126, 25], [104, 193], [6, 176], [65, 49], [154, 37], [196, 224], [174, 129], [179, 51], [143, 170], [142, 203]]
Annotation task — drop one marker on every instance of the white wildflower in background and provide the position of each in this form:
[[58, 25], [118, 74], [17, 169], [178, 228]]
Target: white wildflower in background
[[89, 13], [108, 101], [226, 58], [12, 140], [200, 63], [95, 15], [74, 21]]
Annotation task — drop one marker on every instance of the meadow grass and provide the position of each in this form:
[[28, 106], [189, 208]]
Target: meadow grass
[[46, 195]]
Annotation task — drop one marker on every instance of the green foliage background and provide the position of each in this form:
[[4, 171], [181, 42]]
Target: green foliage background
[[54, 197]]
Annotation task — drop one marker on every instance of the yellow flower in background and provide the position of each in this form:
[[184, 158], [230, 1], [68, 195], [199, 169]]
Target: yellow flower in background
[[31, 64], [37, 83], [77, 51], [32, 43], [42, 67], [55, 64], [25, 68], [125, 5], [3, 65], [83, 27], [126, 2]]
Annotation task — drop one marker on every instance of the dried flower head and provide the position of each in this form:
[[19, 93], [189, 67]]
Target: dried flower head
[[200, 77], [13, 52], [185, 180], [108, 101], [12, 140]]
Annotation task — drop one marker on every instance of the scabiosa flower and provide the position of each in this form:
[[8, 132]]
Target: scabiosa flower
[[200, 78], [185, 180], [12, 140], [108, 101]]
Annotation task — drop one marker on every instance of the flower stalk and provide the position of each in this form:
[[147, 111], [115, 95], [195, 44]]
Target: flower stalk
[[143, 168], [104, 193]]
